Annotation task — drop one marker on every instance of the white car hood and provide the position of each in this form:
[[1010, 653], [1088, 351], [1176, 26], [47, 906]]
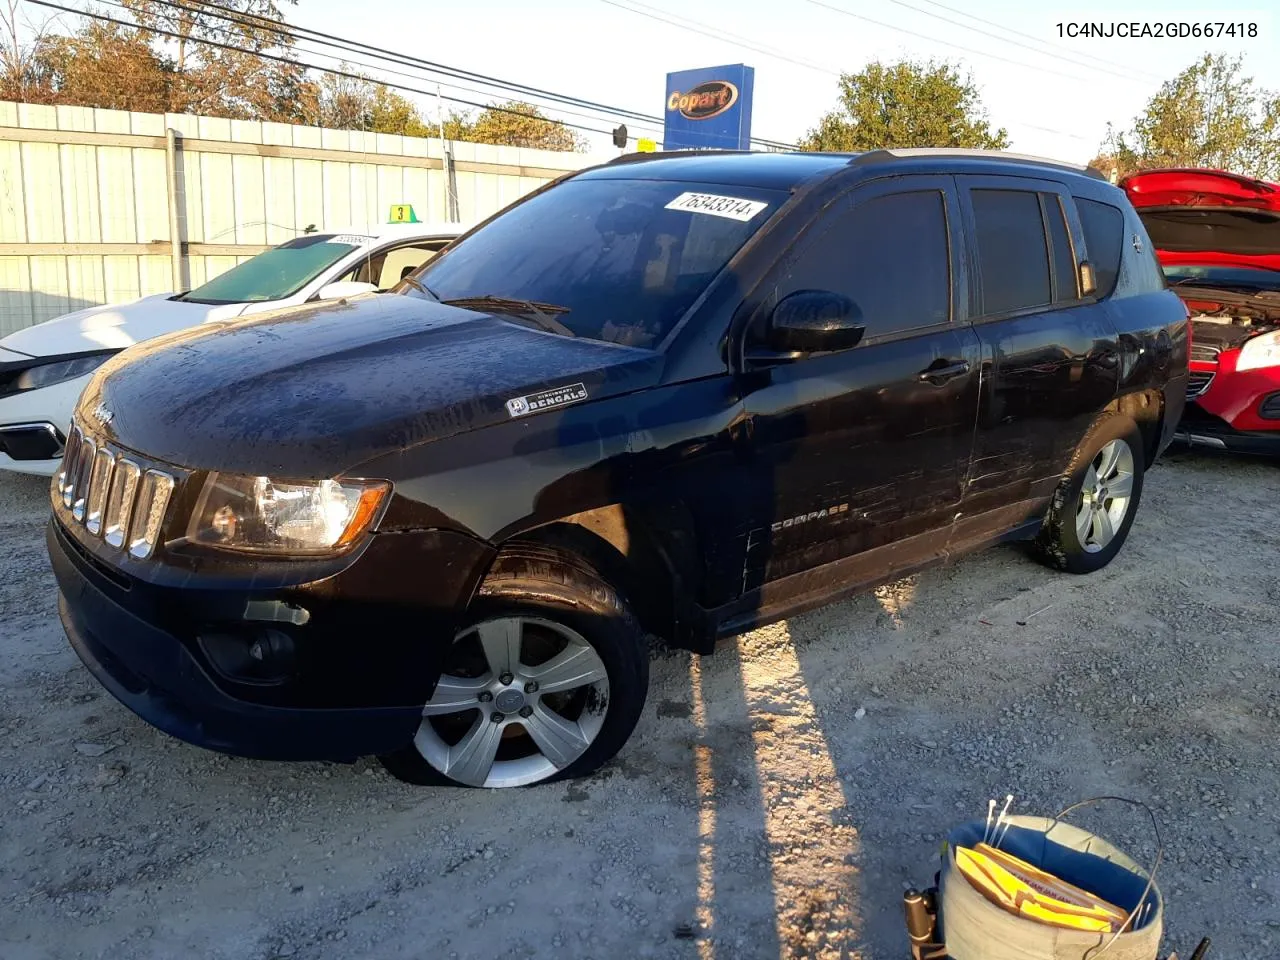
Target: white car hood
[[114, 327]]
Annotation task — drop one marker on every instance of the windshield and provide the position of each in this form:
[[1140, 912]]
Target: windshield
[[277, 273], [616, 260], [1223, 276]]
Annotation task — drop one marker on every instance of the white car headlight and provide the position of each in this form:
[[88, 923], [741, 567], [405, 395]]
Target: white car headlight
[[47, 374], [261, 515], [1262, 351]]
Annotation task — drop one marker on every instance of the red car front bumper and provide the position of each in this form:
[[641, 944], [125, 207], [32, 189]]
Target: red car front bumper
[[1232, 409]]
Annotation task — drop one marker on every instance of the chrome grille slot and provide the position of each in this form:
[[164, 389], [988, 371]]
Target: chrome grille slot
[[1197, 383], [119, 511], [99, 482], [111, 495], [66, 479], [1204, 352], [80, 479], [149, 517]]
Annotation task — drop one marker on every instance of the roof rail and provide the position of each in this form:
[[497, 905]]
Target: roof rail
[[667, 154], [878, 156]]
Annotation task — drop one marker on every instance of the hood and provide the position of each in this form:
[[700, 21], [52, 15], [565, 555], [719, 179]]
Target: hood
[[315, 391], [114, 327], [1208, 217]]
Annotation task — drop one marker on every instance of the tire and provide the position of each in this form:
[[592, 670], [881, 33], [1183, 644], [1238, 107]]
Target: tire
[[565, 625], [1073, 537]]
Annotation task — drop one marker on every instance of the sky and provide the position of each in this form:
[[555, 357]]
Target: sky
[[1054, 95]]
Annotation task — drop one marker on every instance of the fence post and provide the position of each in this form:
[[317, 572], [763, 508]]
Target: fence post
[[175, 229], [451, 181], [446, 152]]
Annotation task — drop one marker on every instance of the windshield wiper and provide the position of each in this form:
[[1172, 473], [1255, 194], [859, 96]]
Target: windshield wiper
[[542, 314], [419, 286]]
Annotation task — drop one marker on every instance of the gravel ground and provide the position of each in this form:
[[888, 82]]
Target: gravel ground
[[773, 802]]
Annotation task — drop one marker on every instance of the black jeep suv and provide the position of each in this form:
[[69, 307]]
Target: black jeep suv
[[680, 395]]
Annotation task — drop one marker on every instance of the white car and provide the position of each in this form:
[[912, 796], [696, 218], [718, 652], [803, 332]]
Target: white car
[[44, 368]]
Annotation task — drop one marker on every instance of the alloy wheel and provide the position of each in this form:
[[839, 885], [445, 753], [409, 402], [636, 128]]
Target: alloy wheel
[[1105, 496], [521, 699]]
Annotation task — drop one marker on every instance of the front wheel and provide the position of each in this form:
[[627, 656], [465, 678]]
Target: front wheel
[[545, 682], [1094, 507]]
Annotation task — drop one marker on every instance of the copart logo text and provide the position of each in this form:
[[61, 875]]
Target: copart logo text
[[704, 101]]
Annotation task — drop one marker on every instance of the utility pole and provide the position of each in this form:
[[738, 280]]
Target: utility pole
[[450, 181]]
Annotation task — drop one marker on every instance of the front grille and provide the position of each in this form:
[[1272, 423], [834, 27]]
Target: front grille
[[111, 496], [1206, 353], [1269, 409], [1197, 383]]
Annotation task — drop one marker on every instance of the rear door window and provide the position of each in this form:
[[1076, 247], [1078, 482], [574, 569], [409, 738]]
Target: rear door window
[[1103, 227], [891, 255], [1013, 255]]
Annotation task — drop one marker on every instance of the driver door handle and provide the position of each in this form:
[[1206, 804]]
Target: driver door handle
[[938, 375]]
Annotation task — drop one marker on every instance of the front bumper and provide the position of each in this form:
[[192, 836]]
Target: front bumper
[[361, 677], [1246, 400], [49, 405], [1199, 428]]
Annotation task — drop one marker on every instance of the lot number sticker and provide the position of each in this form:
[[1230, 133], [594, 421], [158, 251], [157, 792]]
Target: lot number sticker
[[731, 208]]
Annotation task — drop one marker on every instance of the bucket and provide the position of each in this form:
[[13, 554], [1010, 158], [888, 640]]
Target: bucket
[[974, 928]]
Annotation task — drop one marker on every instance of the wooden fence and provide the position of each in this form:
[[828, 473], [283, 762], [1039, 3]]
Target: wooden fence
[[86, 218]]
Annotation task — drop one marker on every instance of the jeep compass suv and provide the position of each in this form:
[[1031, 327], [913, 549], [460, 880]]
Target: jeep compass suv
[[681, 395]]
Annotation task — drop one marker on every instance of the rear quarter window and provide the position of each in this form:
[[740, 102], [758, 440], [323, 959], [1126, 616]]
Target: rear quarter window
[[1103, 227]]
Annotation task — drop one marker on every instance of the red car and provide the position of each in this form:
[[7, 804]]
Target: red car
[[1217, 236]]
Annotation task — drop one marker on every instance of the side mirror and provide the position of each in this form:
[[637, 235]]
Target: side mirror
[[344, 288], [814, 321]]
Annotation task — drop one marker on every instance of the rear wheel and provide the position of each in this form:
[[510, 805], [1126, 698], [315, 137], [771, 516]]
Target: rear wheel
[[546, 681], [1094, 507]]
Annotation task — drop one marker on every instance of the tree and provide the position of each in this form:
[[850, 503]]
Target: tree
[[170, 61], [1109, 166], [359, 103], [21, 73], [1209, 115], [212, 79], [905, 104], [513, 125], [104, 65], [393, 113]]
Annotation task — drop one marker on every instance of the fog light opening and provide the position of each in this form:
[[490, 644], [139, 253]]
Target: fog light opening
[[259, 655]]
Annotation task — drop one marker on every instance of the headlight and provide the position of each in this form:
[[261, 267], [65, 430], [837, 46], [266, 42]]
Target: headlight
[[261, 515], [47, 374], [1263, 351]]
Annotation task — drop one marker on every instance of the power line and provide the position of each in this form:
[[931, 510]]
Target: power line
[[706, 30], [995, 36], [316, 36], [948, 43], [300, 63], [283, 29], [720, 35], [1035, 39], [345, 61]]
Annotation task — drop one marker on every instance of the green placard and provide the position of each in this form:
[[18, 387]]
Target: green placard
[[402, 213]]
